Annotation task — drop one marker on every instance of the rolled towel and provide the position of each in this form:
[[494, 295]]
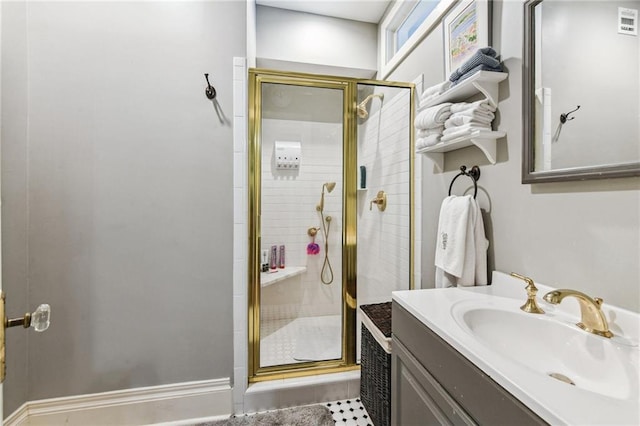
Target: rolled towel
[[426, 100], [474, 70], [421, 133], [427, 141], [436, 90], [459, 120], [434, 116], [484, 56]]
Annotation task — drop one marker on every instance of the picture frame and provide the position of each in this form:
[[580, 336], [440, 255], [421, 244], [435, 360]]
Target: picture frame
[[467, 28]]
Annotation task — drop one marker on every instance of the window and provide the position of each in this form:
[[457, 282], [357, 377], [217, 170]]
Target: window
[[406, 24]]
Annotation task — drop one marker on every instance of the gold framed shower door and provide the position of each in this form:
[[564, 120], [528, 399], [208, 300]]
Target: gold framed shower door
[[348, 280]]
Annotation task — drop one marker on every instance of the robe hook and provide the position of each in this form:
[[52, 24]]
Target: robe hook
[[209, 91], [564, 117]]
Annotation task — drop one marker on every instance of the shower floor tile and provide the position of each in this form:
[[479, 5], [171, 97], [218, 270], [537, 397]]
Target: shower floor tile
[[349, 412], [280, 339]]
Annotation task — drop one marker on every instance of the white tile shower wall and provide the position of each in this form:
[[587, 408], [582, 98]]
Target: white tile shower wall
[[289, 201], [240, 246], [384, 237]]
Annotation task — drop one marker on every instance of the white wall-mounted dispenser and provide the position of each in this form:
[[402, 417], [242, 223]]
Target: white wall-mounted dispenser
[[287, 155]]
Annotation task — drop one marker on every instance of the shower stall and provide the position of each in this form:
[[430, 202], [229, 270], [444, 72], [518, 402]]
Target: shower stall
[[324, 152]]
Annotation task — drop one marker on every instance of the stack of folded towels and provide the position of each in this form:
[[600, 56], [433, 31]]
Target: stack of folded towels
[[466, 118], [484, 59], [430, 124]]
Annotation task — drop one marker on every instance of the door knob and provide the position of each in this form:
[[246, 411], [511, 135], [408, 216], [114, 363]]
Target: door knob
[[38, 319]]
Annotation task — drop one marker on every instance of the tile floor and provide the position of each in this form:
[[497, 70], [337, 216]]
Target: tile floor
[[349, 412], [289, 341]]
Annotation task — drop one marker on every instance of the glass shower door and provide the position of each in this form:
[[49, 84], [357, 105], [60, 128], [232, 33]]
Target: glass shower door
[[301, 223]]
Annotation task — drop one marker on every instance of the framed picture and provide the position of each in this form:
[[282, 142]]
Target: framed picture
[[467, 28]]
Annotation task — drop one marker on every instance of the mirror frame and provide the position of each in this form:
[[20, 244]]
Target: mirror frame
[[529, 175]]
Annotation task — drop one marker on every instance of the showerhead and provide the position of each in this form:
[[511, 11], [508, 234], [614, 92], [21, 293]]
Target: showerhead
[[361, 109], [330, 186]]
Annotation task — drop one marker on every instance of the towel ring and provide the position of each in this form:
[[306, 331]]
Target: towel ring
[[474, 174]]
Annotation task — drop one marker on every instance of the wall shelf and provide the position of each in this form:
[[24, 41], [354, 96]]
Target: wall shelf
[[482, 82], [268, 278], [485, 140], [485, 82]]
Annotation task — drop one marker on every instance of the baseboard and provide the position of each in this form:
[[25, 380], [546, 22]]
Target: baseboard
[[166, 404]]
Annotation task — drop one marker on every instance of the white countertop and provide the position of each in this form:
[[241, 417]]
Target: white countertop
[[552, 400]]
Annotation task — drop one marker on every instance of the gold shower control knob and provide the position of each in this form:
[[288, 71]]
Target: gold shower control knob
[[380, 201]]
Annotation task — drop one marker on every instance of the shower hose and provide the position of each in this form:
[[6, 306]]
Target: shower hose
[[326, 265]]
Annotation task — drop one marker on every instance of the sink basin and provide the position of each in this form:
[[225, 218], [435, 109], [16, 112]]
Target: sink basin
[[553, 346]]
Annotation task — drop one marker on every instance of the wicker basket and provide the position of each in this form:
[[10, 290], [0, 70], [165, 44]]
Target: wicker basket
[[375, 363]]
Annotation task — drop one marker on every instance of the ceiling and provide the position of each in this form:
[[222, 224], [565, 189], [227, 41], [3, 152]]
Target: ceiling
[[356, 10]]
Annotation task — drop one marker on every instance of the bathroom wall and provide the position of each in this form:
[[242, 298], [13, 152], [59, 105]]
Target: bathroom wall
[[289, 201], [582, 235], [116, 202], [296, 41], [14, 195]]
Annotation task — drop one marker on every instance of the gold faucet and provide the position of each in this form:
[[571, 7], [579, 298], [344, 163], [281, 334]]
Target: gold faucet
[[530, 306], [593, 319]]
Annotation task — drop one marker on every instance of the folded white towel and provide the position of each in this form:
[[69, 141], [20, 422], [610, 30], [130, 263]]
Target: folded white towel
[[460, 120], [456, 132], [434, 116], [421, 133], [481, 105], [461, 248], [474, 113], [428, 141]]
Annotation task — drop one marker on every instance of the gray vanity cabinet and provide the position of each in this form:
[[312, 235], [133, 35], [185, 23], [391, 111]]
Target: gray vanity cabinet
[[433, 384]]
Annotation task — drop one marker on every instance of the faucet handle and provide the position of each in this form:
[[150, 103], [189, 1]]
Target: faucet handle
[[530, 306]]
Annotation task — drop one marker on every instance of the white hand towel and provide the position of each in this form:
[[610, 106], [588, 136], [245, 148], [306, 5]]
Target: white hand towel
[[474, 270], [434, 116], [452, 234], [461, 248]]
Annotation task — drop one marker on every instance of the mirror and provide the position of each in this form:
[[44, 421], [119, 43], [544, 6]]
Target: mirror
[[581, 73]]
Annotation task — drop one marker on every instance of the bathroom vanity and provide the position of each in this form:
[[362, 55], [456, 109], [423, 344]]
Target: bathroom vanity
[[471, 356], [433, 384]]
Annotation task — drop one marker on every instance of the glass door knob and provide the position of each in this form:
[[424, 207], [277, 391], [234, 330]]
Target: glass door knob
[[40, 318]]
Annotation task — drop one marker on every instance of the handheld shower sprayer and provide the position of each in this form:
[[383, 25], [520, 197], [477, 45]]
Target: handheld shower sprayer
[[330, 186], [326, 274]]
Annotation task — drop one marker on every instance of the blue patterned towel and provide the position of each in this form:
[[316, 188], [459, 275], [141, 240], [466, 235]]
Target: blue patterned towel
[[485, 56], [472, 71]]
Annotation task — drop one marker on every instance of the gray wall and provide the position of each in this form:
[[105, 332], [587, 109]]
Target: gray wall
[[582, 235], [117, 195], [321, 45]]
